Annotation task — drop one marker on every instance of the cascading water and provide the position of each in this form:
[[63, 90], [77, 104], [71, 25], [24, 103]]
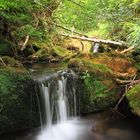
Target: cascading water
[[58, 100], [96, 47], [62, 100]]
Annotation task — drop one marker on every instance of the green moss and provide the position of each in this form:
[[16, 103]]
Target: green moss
[[42, 52], [60, 51], [15, 96], [88, 65], [137, 66], [133, 97], [95, 94]]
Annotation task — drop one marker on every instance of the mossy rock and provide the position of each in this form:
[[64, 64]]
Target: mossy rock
[[83, 65], [133, 97], [44, 54], [72, 44], [96, 93], [76, 45], [59, 51], [52, 54], [96, 87], [18, 106], [111, 64], [99, 89]]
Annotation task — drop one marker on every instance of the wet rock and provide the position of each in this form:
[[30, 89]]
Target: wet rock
[[97, 87], [18, 106]]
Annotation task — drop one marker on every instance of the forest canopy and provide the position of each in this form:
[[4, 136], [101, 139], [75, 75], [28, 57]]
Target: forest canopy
[[38, 19]]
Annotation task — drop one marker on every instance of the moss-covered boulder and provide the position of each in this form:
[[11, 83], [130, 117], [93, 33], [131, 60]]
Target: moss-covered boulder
[[133, 97], [120, 65], [96, 93], [18, 106], [98, 86], [136, 56], [76, 45], [51, 54]]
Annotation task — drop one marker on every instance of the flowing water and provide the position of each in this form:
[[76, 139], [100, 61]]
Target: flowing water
[[59, 115], [62, 123]]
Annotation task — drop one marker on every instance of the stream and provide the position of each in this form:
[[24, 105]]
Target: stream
[[59, 114]]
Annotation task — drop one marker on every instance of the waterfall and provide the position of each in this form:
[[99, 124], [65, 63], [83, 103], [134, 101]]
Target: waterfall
[[46, 97], [55, 91], [59, 108], [96, 47], [62, 100]]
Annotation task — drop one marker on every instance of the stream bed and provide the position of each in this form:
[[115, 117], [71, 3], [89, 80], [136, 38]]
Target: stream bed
[[99, 126]]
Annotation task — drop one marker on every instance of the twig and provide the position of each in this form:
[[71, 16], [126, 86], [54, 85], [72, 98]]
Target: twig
[[116, 111], [25, 43], [2, 62], [110, 88]]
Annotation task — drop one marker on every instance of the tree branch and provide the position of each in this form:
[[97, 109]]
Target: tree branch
[[127, 50], [76, 3], [65, 28], [2, 62], [127, 81]]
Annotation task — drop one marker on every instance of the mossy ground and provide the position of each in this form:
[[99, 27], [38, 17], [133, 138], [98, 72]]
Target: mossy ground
[[133, 96]]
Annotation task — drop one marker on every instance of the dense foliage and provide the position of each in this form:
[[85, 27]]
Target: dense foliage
[[39, 19], [118, 20], [27, 17]]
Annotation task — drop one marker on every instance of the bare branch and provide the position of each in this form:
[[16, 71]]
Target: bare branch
[[25, 43], [2, 62], [127, 50]]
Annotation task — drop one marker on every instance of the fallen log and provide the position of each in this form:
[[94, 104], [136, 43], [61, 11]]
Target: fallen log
[[114, 43]]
